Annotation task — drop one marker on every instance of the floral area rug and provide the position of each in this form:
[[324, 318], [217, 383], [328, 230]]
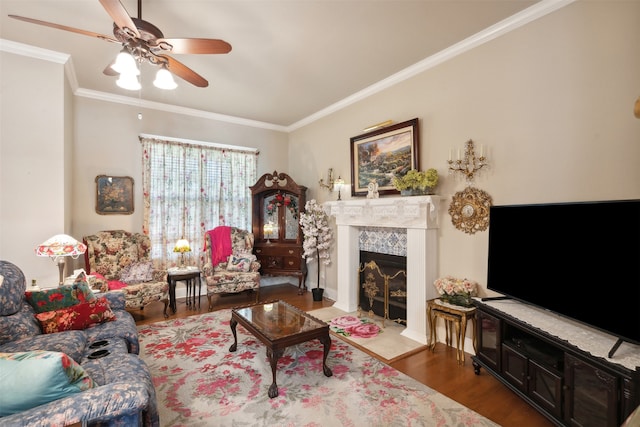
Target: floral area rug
[[200, 383]]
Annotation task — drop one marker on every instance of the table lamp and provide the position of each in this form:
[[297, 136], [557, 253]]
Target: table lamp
[[182, 246], [58, 247]]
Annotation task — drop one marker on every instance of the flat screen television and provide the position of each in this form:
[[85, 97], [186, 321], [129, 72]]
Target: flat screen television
[[580, 260]]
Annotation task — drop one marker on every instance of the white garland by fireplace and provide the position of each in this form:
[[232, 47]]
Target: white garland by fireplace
[[419, 216]]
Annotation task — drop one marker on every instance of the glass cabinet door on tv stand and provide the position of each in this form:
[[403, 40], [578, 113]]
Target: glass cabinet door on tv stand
[[277, 203]]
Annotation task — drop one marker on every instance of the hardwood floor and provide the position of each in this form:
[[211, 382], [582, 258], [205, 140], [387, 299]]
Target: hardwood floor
[[438, 370]]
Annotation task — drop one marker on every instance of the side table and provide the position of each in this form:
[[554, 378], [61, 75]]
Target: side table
[[452, 314], [189, 275]]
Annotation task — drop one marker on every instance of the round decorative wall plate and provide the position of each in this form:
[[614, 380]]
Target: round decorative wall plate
[[469, 210]]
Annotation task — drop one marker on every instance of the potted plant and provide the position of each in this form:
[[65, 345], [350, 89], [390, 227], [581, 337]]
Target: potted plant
[[317, 239], [416, 182]]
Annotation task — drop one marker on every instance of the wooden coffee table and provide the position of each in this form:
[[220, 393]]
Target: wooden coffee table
[[279, 325]]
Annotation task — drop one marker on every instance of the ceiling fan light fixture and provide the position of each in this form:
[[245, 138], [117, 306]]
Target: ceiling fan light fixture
[[128, 81], [164, 80], [125, 63]]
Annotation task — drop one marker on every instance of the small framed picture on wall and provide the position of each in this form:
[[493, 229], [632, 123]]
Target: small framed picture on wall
[[114, 195]]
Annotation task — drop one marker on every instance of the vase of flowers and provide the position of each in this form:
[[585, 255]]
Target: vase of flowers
[[415, 182], [456, 291], [318, 237]]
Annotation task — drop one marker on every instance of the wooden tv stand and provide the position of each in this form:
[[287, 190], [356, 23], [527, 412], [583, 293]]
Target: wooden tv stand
[[539, 356]]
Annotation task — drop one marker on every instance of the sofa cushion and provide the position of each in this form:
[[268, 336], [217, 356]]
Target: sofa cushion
[[76, 317], [11, 289], [71, 343], [60, 297], [37, 377], [20, 324], [137, 272]]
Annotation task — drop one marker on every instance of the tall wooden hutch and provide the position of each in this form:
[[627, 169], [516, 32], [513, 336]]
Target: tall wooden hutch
[[277, 203]]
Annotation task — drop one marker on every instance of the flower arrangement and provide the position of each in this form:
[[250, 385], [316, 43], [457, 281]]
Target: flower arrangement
[[280, 200], [456, 291], [416, 180], [318, 237]]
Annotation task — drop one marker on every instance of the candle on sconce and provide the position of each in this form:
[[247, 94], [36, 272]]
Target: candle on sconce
[[481, 150], [458, 156], [450, 155]]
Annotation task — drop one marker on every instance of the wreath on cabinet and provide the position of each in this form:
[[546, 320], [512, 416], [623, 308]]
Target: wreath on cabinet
[[469, 210], [283, 200]]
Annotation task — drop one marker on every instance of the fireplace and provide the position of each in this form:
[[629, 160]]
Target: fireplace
[[418, 215], [383, 287]]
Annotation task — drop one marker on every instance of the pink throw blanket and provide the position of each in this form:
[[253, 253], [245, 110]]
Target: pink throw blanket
[[220, 238]]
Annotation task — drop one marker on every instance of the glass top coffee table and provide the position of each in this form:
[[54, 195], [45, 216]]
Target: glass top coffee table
[[279, 325]]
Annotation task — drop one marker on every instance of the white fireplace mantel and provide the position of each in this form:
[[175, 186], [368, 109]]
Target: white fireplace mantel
[[419, 216]]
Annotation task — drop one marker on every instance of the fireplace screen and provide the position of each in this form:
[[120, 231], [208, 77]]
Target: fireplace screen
[[383, 286]]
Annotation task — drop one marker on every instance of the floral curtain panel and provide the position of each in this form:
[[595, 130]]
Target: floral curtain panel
[[190, 188]]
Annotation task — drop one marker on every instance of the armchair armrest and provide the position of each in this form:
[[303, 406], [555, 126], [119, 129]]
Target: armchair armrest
[[159, 275], [255, 266]]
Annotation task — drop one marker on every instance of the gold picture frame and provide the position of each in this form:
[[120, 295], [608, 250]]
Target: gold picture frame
[[114, 195], [380, 154]]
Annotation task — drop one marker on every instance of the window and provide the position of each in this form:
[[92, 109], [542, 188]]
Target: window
[[190, 188]]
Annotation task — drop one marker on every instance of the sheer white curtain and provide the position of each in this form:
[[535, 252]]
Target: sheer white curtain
[[190, 188]]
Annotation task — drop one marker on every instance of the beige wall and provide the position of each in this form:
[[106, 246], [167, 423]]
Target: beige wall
[[36, 105], [552, 102]]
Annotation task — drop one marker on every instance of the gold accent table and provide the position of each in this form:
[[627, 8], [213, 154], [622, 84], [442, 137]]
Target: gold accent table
[[452, 314]]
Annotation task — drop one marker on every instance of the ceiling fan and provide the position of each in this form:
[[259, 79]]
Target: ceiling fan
[[146, 43]]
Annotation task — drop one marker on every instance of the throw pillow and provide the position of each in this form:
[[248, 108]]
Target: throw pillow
[[137, 272], [60, 297], [33, 378], [115, 285], [240, 262], [78, 317]]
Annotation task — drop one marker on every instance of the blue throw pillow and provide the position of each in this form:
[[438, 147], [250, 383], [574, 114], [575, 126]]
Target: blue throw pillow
[[34, 378]]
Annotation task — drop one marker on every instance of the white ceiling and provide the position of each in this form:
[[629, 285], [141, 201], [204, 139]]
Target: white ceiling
[[290, 60]]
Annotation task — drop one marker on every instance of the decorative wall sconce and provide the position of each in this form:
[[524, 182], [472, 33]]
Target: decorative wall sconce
[[330, 181], [469, 164], [339, 183]]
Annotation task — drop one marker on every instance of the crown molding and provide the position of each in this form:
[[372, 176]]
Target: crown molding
[[518, 20]]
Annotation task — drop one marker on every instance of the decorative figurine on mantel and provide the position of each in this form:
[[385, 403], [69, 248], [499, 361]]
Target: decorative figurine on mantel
[[372, 190]]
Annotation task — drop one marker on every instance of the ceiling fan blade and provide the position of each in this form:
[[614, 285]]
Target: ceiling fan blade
[[110, 71], [193, 46], [184, 72], [64, 27], [120, 17]]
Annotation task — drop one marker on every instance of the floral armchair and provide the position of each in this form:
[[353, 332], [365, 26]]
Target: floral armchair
[[120, 260], [230, 266]]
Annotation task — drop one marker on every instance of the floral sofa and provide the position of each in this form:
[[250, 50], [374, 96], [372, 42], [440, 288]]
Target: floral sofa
[[121, 261], [230, 266], [69, 356]]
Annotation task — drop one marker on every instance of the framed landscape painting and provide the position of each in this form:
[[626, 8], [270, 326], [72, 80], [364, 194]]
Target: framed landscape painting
[[382, 153], [114, 195]]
